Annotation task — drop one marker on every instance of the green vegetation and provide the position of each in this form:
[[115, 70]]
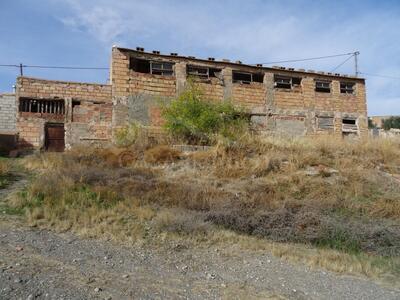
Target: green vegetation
[[197, 120], [127, 136], [392, 122]]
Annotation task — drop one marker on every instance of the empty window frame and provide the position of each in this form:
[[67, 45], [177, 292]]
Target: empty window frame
[[247, 78], [285, 82], [322, 86], [42, 106], [139, 65], [197, 71], [201, 72], [162, 68], [349, 125], [347, 87], [325, 123], [152, 67]]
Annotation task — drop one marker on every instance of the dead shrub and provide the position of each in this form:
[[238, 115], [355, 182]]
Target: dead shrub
[[161, 154], [4, 168], [181, 221]]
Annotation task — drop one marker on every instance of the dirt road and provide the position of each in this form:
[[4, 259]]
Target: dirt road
[[39, 264]]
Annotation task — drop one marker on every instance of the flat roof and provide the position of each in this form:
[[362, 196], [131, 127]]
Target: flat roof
[[174, 56]]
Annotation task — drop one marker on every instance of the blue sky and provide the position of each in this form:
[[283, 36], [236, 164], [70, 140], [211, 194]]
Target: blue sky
[[82, 32]]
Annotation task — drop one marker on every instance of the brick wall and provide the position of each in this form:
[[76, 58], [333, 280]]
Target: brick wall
[[91, 123], [30, 132], [296, 110], [7, 113], [249, 95], [51, 89], [87, 117]]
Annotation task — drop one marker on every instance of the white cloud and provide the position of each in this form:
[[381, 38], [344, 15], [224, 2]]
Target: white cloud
[[252, 31]]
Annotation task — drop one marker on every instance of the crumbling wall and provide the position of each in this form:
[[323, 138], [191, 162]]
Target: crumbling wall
[[91, 123], [297, 110], [86, 114]]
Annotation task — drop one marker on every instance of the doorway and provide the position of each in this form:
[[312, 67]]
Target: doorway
[[54, 137]]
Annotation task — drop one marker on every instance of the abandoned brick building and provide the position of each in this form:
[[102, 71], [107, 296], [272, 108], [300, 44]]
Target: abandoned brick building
[[55, 114]]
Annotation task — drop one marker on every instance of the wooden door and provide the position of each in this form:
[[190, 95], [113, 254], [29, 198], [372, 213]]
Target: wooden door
[[55, 137]]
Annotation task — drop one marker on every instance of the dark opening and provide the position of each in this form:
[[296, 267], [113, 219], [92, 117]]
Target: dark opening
[[258, 77], [75, 103], [347, 87], [245, 78], [213, 72], [323, 86], [283, 82], [296, 80], [42, 106], [139, 65], [349, 121]]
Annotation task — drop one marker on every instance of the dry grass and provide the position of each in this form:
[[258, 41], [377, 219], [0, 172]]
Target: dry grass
[[258, 194], [5, 168], [161, 154], [5, 173]]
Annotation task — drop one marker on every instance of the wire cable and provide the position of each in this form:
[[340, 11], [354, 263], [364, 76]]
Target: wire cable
[[379, 75], [54, 67], [65, 67], [341, 64], [306, 59]]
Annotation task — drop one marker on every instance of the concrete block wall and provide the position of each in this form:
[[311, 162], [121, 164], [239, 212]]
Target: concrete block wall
[[8, 110]]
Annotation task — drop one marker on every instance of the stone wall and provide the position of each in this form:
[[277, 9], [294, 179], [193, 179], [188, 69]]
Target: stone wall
[[7, 113]]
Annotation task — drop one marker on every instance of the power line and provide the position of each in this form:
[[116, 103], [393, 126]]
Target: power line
[[65, 67], [379, 75], [306, 59], [342, 63], [54, 67]]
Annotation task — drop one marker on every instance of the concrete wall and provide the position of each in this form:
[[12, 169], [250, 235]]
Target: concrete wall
[[292, 111], [8, 112]]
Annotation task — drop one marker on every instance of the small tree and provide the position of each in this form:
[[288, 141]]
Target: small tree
[[198, 120], [392, 122]]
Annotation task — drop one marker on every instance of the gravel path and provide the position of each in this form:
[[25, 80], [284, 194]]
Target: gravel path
[[39, 264]]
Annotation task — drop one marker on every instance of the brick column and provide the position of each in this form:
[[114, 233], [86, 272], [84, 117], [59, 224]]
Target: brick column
[[180, 75], [227, 80], [269, 100]]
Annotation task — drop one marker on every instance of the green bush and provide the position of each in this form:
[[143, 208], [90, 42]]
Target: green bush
[[128, 135], [392, 122], [198, 120]]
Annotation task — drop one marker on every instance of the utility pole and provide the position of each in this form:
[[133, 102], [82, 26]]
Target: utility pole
[[21, 70], [356, 63]]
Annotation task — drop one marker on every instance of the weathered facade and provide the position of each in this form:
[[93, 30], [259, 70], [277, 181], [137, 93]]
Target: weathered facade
[[278, 100], [51, 110]]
